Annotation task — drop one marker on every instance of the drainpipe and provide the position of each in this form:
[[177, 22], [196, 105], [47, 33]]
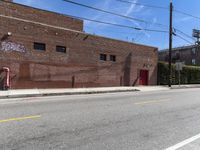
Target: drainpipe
[[7, 78]]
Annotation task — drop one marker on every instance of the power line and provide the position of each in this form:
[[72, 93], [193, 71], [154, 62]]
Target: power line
[[159, 7], [113, 13], [119, 25], [140, 4], [187, 14], [186, 35], [131, 18], [43, 24], [184, 39]]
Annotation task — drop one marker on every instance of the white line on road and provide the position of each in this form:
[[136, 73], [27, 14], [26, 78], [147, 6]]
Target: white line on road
[[152, 101], [183, 143]]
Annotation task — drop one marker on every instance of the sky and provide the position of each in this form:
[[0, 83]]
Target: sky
[[153, 15]]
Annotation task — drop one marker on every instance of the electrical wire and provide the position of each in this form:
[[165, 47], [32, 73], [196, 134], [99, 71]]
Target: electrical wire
[[113, 13], [140, 4], [184, 39], [135, 19], [159, 7], [119, 25], [186, 35], [187, 14]]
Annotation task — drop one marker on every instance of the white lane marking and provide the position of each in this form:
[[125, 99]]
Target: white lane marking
[[183, 143], [152, 101]]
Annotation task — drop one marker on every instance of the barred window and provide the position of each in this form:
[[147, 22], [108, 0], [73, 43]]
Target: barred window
[[103, 57], [39, 46], [61, 49], [112, 58]]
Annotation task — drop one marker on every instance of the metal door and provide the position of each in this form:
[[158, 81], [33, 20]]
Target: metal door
[[144, 77]]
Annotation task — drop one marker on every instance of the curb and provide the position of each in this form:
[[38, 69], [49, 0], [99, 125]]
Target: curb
[[64, 93], [185, 87]]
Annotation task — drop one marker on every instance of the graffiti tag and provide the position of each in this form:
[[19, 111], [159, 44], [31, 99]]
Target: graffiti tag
[[11, 46], [148, 65]]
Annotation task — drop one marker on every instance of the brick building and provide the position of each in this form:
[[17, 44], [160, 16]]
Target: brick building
[[190, 55], [42, 49]]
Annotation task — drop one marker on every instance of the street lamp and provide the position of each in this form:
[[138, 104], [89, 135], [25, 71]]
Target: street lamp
[[5, 36], [9, 33]]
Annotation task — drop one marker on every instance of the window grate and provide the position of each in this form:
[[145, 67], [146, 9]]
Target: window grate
[[61, 49], [39, 46]]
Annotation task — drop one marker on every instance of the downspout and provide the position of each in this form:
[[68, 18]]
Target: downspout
[[7, 78]]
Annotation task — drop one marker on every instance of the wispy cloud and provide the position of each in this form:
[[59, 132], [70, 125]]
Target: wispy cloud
[[133, 8], [37, 3], [126, 10], [99, 16], [184, 19], [130, 10]]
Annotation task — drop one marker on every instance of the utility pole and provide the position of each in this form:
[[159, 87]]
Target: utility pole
[[170, 44]]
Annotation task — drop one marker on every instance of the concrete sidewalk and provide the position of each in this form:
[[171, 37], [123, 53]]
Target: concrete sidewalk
[[54, 92], [76, 91], [186, 86]]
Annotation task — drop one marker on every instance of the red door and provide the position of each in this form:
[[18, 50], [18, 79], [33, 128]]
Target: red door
[[144, 77]]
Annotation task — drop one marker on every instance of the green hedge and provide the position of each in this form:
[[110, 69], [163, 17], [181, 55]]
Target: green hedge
[[189, 74]]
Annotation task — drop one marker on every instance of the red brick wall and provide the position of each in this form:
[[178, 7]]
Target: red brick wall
[[50, 69], [25, 12]]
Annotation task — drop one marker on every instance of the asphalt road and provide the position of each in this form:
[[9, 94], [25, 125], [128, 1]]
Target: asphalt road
[[117, 121]]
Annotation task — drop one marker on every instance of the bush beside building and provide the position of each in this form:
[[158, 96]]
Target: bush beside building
[[189, 74]]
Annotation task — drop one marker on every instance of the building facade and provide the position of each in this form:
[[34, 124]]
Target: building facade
[[189, 55], [42, 49]]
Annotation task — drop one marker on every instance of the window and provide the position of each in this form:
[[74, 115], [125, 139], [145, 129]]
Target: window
[[112, 58], [193, 50], [103, 57], [61, 49], [193, 61], [39, 46]]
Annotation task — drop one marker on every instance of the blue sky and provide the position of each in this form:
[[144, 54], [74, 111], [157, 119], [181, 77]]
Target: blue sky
[[160, 40]]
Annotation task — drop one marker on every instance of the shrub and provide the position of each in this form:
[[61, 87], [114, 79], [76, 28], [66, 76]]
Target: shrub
[[189, 74]]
